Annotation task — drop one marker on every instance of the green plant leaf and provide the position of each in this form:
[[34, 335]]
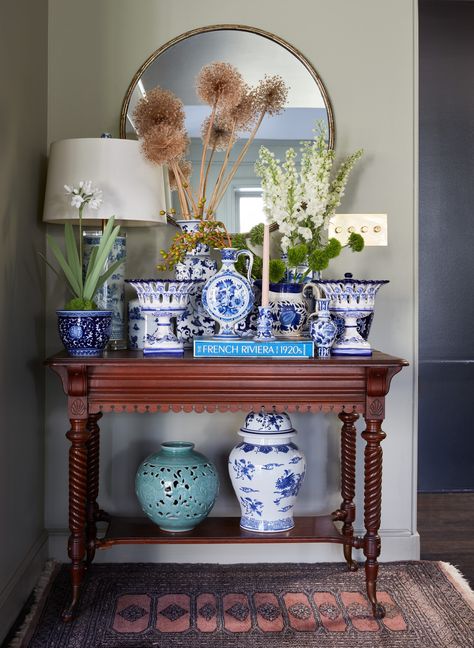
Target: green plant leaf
[[108, 273], [103, 252], [256, 234], [68, 273], [91, 263], [72, 253]]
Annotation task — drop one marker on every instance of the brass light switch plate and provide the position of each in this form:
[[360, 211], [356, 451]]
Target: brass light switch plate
[[373, 227]]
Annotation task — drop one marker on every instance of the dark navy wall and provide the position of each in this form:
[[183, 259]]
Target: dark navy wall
[[446, 372]]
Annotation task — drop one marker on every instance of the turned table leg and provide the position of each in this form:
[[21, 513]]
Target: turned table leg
[[78, 435], [93, 455], [348, 465], [373, 436]]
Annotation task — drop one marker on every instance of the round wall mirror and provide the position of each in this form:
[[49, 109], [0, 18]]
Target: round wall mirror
[[255, 53]]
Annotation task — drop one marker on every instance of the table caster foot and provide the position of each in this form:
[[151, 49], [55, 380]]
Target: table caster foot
[[378, 610]]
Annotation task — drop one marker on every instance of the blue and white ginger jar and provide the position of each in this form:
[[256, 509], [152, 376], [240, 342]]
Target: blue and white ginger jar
[[267, 470]]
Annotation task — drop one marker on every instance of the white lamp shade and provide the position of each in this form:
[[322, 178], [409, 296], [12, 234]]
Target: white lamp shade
[[132, 188]]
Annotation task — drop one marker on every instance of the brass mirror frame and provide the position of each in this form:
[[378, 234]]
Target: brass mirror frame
[[231, 27]]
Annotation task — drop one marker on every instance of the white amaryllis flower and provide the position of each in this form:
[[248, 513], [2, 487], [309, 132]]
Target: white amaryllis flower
[[84, 194]]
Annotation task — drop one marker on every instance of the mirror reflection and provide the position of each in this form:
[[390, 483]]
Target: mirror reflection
[[175, 67]]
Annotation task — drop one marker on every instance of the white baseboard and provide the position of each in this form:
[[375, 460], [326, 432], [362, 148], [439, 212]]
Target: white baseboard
[[398, 544], [15, 593]]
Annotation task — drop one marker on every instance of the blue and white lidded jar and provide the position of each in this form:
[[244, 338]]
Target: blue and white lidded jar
[[267, 470]]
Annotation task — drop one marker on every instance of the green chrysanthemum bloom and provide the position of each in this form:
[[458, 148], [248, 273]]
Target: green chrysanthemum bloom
[[256, 234], [297, 255], [239, 241], [333, 248], [318, 260], [356, 242], [277, 270]]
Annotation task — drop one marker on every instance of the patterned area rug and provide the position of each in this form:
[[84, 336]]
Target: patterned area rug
[[287, 606]]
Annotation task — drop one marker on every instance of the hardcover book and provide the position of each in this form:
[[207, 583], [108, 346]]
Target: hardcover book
[[248, 348]]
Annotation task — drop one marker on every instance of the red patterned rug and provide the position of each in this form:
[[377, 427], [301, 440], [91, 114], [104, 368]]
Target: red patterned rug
[[287, 606]]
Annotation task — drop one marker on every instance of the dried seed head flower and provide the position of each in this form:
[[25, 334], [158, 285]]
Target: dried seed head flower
[[185, 167], [158, 107], [244, 114], [271, 94], [163, 143], [220, 84], [221, 133]]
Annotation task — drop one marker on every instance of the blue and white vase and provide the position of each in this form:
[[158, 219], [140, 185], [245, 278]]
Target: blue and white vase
[[197, 265], [288, 307], [228, 296], [267, 470], [323, 329], [248, 326], [111, 295], [84, 333]]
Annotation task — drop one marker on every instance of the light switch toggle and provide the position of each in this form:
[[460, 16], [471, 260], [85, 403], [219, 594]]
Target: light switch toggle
[[373, 227]]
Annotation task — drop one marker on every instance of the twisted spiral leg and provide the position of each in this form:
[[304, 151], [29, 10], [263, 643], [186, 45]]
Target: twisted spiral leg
[[93, 454], [348, 461], [78, 435], [373, 436]]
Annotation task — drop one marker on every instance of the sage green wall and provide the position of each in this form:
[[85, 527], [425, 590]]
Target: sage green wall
[[365, 52], [23, 75]]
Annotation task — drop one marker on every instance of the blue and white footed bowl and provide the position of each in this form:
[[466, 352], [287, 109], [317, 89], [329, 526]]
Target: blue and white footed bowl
[[84, 333], [177, 486], [267, 470]]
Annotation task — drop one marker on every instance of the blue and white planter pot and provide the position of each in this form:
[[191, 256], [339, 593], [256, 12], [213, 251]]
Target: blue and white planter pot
[[111, 295], [197, 266], [84, 333], [228, 296], [267, 470], [289, 308]]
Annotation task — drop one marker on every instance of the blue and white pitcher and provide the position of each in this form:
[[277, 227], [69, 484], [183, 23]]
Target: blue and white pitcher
[[228, 296]]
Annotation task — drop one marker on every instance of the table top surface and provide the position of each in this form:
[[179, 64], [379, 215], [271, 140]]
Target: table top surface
[[129, 357]]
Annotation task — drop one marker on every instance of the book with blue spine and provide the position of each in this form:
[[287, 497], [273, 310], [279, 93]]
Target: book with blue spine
[[291, 348]]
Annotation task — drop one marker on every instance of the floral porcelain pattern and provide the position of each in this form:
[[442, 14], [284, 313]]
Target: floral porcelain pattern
[[197, 265], [84, 333], [323, 330], [227, 296], [267, 470], [288, 308]]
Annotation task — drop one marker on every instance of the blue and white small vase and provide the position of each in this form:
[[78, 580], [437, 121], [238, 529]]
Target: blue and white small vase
[[323, 329], [267, 470], [288, 307], [264, 324], [84, 333], [196, 266], [228, 296], [177, 486], [111, 295]]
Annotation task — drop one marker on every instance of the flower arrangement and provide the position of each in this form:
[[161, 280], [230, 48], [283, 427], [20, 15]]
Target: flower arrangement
[[84, 284], [302, 202], [235, 109]]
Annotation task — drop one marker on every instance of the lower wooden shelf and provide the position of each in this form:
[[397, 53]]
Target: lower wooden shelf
[[217, 530]]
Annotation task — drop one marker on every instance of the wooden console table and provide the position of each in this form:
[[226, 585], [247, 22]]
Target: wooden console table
[[125, 381]]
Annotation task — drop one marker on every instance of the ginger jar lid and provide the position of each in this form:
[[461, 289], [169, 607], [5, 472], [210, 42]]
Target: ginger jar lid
[[268, 423]]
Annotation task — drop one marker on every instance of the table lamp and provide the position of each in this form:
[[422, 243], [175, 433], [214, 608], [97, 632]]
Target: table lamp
[[133, 190]]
